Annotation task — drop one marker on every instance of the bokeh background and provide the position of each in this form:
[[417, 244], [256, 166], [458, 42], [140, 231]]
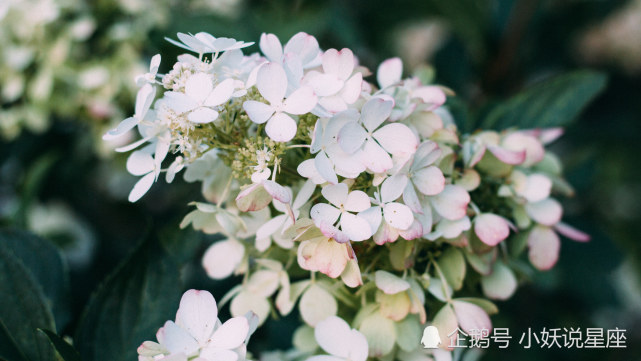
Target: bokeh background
[[66, 76]]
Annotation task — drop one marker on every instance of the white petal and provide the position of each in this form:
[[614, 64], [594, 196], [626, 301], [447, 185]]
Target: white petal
[[221, 93], [272, 82], [410, 198], [352, 89], [355, 227], [334, 336], [324, 212], [351, 137], [308, 170], [305, 45], [452, 202], [500, 284], [179, 102], [389, 72], [270, 227], [427, 153], [245, 302], [432, 96], [375, 111], [544, 247], [198, 314], [281, 127], [258, 112], [203, 115], [471, 317], [277, 191], [144, 98], [230, 334], [141, 187], [176, 340], [393, 187], [547, 212], [325, 168], [211, 353], [222, 258], [271, 47], [121, 129], [317, 304], [340, 63], [357, 201], [376, 158], [323, 84], [199, 86], [301, 101], [304, 194], [398, 215], [390, 283], [537, 187], [396, 138], [429, 181], [140, 163], [491, 229], [336, 194], [333, 104]]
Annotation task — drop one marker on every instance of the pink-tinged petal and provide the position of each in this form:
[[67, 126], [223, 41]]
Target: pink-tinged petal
[[336, 194], [271, 47], [221, 93], [398, 215], [355, 227], [199, 86], [323, 84], [571, 232], [518, 141], [352, 89], [176, 340], [376, 158], [333, 104], [446, 323], [325, 168], [230, 334], [414, 231], [549, 135], [351, 137], [375, 111], [304, 45], [271, 82], [471, 317], [258, 112], [334, 336], [385, 234], [410, 198], [547, 212], [452, 202], [396, 139], [357, 201], [507, 156], [281, 127], [491, 229], [198, 314], [389, 72], [332, 232], [429, 181], [393, 187], [544, 247], [537, 187], [427, 153], [293, 68], [330, 257], [433, 96], [203, 115], [373, 216], [222, 258], [301, 101], [141, 187], [277, 191], [351, 275], [340, 63], [324, 212]]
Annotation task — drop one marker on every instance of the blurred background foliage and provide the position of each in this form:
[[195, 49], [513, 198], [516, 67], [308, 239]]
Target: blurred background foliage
[[59, 180]]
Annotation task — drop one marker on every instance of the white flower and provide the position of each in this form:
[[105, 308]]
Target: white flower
[[197, 332], [365, 135], [272, 85], [302, 45], [343, 202], [200, 98], [340, 341], [150, 77], [144, 98], [204, 43]]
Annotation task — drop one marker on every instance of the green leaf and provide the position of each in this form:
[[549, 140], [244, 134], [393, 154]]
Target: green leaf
[[130, 306], [65, 350], [551, 103], [46, 265], [23, 309]]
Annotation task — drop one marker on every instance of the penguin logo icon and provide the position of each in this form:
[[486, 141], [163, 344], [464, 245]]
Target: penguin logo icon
[[431, 338]]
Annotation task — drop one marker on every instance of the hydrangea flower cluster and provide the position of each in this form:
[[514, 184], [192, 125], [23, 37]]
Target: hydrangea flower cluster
[[346, 197]]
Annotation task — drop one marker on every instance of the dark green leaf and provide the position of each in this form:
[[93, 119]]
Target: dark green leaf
[[552, 103], [23, 310], [65, 350], [130, 306], [45, 263]]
